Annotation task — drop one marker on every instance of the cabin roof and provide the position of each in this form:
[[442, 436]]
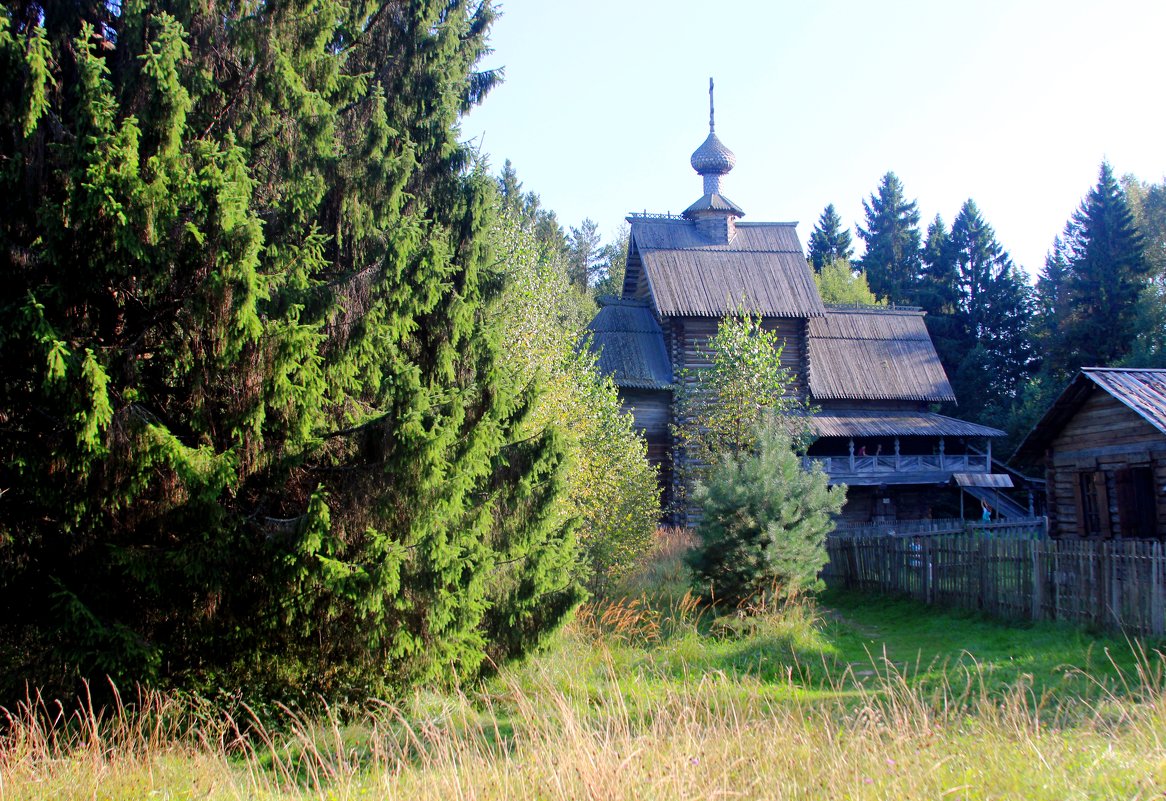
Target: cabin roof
[[761, 269], [630, 345], [1142, 390], [861, 423], [875, 353]]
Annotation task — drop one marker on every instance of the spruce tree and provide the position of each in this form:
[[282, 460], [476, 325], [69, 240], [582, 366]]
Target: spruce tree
[[1105, 272], [254, 424], [584, 253], [938, 296], [764, 523], [992, 319], [938, 292], [1051, 302], [892, 261], [829, 241]]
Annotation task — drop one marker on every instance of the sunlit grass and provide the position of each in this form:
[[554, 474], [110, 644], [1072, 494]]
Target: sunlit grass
[[651, 695]]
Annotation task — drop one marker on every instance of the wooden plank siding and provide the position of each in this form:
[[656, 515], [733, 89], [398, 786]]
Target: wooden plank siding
[[1095, 449], [691, 336], [651, 410]]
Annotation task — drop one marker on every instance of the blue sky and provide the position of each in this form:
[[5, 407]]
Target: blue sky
[[1013, 104]]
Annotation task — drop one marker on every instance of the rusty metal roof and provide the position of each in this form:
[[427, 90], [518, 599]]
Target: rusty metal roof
[[873, 353], [847, 423], [630, 345], [1142, 390], [762, 269]]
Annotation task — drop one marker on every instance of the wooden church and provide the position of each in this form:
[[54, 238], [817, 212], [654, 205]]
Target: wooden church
[[872, 372]]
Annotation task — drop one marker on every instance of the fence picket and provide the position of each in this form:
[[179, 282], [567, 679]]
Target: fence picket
[[1010, 570]]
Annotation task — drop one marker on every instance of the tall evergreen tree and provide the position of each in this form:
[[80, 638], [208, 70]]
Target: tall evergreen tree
[[994, 313], [253, 422], [526, 209], [829, 241], [938, 295], [1105, 273], [1051, 300], [892, 261], [584, 253], [612, 264]]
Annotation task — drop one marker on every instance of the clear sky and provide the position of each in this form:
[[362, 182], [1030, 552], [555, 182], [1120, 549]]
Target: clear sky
[[1013, 104]]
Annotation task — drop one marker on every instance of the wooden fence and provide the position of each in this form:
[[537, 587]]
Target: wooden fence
[[1008, 527], [1115, 584]]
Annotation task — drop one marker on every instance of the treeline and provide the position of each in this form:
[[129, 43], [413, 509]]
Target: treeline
[[1009, 347], [594, 268], [291, 404]]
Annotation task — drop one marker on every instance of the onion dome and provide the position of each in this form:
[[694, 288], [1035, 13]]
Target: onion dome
[[712, 157]]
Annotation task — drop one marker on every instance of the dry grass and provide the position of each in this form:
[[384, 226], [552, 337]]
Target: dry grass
[[530, 735], [630, 705]]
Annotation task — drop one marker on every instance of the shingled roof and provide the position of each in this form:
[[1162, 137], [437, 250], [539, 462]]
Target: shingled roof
[[872, 353], [630, 345], [761, 269], [858, 423], [1142, 390]]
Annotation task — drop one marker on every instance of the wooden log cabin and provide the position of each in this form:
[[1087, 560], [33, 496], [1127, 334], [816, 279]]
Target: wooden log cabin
[[872, 372], [1103, 447]]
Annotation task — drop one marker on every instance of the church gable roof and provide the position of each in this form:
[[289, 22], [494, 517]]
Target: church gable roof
[[762, 269], [630, 345], [875, 354]]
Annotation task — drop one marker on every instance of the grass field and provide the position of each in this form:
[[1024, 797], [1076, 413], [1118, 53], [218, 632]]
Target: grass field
[[653, 697]]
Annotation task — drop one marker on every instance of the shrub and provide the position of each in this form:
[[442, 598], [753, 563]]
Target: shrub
[[719, 407], [765, 522], [609, 487]]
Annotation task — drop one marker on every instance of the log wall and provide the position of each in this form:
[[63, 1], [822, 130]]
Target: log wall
[[1099, 445]]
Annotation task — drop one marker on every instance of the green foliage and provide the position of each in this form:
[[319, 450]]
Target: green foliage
[[1148, 204], [613, 264], [829, 241], [1035, 398], [892, 260], [1093, 282], [764, 524], [939, 297], [532, 218], [610, 489], [992, 317], [721, 405], [584, 253], [255, 428], [839, 283]]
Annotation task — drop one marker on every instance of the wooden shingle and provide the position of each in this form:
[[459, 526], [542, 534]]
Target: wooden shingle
[[874, 354]]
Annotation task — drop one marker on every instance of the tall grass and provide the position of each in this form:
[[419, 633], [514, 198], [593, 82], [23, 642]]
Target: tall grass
[[703, 738], [648, 696]]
